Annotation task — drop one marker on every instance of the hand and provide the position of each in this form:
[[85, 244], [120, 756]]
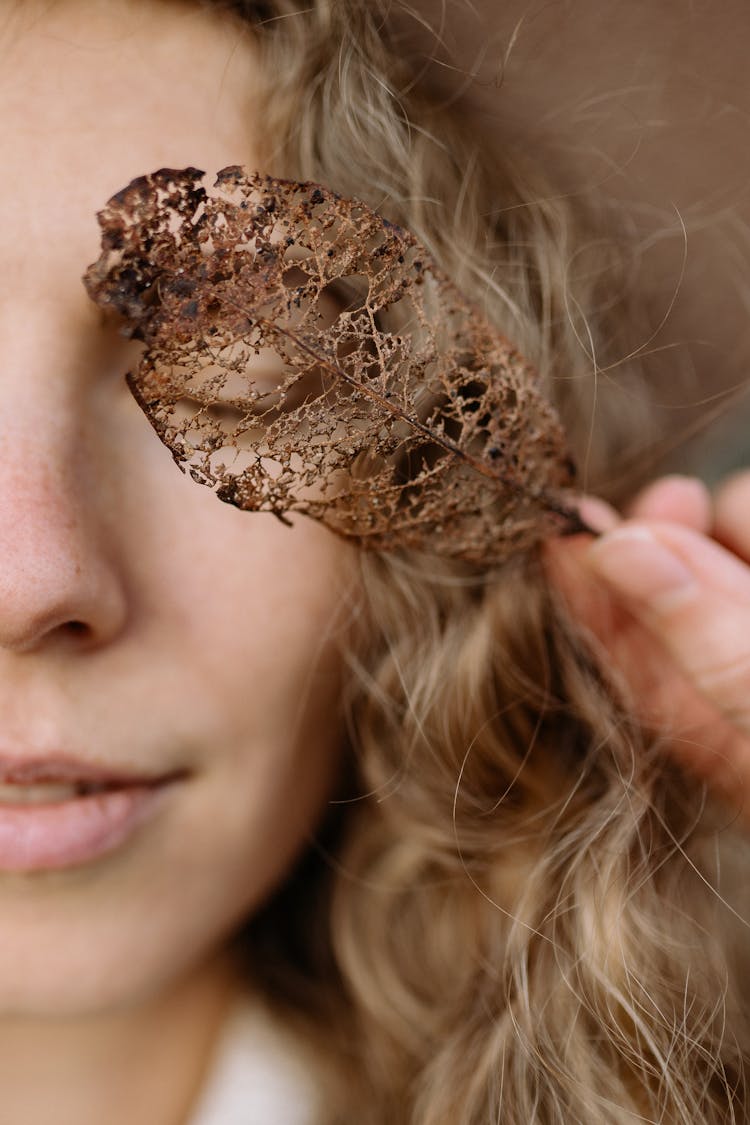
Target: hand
[[666, 592]]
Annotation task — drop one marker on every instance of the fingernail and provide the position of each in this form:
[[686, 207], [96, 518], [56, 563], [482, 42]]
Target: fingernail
[[640, 566], [599, 515]]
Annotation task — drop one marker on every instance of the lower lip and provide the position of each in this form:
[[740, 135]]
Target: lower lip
[[73, 832]]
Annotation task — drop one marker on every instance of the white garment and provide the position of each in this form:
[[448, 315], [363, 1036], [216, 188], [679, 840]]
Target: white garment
[[258, 1076]]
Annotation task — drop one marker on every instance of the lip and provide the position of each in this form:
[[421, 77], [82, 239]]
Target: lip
[[17, 769], [101, 817]]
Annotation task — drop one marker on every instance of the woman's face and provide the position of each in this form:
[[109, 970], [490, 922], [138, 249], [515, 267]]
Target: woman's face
[[146, 629]]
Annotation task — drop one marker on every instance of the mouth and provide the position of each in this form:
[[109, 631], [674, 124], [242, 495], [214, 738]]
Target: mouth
[[50, 792], [59, 813]]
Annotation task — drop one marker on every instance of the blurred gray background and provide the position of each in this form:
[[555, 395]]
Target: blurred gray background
[[648, 103]]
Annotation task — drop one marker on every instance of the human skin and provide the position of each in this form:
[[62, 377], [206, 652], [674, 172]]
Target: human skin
[[648, 105], [143, 624], [203, 626], [665, 592]]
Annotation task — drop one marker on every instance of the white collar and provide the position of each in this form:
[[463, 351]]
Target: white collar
[[258, 1076]]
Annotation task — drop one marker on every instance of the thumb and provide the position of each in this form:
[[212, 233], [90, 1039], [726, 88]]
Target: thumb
[[694, 596]]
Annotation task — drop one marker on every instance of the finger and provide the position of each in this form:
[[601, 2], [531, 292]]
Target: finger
[[661, 695], [694, 597], [679, 499], [732, 514], [597, 514]]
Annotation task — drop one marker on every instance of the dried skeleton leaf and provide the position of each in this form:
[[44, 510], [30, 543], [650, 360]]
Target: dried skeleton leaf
[[302, 354]]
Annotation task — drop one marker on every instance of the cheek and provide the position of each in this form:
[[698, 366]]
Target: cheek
[[264, 699], [268, 677], [257, 616], [262, 610], [239, 615]]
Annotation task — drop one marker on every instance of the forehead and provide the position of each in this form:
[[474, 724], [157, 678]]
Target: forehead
[[92, 94]]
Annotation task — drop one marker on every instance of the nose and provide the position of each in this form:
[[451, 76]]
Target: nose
[[59, 580], [55, 579]]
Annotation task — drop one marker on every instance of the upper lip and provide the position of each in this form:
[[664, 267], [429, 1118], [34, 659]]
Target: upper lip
[[65, 768]]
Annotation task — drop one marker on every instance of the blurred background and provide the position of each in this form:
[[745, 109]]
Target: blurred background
[[646, 102]]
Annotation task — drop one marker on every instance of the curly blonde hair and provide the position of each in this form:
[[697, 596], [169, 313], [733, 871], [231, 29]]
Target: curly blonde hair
[[514, 913]]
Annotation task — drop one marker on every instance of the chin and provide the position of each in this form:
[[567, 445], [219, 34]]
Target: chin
[[60, 984], [54, 966]]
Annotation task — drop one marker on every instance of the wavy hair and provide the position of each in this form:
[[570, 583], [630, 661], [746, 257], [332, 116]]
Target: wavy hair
[[514, 913]]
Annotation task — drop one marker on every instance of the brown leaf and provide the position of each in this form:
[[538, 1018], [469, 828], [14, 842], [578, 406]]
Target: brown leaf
[[303, 354]]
